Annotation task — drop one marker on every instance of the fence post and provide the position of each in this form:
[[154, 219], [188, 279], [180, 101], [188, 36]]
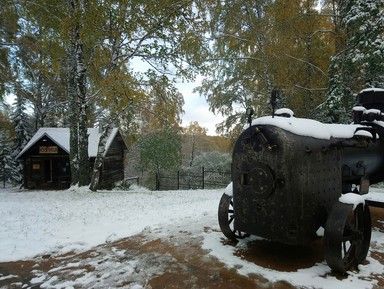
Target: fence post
[[202, 176], [178, 180]]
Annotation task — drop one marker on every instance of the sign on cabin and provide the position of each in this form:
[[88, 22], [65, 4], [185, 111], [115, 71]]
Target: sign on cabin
[[48, 150]]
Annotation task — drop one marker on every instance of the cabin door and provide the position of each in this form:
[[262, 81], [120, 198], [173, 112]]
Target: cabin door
[[50, 173], [41, 173]]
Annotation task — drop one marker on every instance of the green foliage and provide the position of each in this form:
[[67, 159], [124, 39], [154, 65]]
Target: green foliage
[[8, 30], [358, 63], [9, 167], [160, 151], [263, 44]]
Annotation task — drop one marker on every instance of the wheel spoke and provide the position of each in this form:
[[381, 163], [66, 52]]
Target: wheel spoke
[[231, 219], [230, 211]]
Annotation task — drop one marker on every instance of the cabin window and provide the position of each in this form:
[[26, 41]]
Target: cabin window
[[36, 166]]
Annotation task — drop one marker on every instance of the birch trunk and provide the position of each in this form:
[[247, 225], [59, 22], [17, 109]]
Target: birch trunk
[[107, 128], [82, 95], [95, 180], [73, 103]]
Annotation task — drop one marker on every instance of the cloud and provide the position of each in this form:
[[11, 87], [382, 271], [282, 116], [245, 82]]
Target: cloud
[[196, 107]]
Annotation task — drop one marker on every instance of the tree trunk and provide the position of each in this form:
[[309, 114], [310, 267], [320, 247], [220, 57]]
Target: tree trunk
[[73, 100], [107, 128], [83, 134], [73, 122], [95, 180]]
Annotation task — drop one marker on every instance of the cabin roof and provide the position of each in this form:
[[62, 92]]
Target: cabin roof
[[60, 136]]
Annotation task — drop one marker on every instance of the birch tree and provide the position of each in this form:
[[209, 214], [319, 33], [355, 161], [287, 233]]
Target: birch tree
[[99, 44], [167, 38], [262, 45]]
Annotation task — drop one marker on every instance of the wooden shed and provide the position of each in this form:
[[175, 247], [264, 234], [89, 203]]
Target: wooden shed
[[46, 165]]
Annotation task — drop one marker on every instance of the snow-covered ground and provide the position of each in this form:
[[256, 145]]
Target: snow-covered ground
[[38, 222], [34, 222]]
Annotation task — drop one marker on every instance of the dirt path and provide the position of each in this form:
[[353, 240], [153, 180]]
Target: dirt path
[[173, 261]]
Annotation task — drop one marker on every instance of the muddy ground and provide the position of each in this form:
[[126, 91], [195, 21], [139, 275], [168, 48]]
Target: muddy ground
[[173, 261]]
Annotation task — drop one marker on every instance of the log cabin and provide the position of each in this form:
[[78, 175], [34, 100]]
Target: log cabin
[[45, 159]]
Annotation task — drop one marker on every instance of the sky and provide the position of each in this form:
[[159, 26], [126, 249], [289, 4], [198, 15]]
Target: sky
[[196, 108]]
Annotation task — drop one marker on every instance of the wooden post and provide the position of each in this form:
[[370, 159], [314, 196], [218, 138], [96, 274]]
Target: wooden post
[[202, 176], [178, 180]]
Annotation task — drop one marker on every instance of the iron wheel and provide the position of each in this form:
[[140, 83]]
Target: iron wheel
[[347, 236], [226, 216]]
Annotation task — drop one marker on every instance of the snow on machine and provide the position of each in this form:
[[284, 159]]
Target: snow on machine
[[292, 176]]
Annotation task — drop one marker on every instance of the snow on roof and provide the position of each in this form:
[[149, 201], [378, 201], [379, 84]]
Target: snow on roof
[[60, 136], [309, 127], [374, 89]]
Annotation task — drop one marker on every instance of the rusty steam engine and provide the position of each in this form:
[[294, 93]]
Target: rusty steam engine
[[287, 182]]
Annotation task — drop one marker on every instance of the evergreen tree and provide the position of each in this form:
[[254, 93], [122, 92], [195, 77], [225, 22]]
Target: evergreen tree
[[5, 159], [20, 122], [9, 167], [21, 126], [358, 63], [365, 45], [8, 30]]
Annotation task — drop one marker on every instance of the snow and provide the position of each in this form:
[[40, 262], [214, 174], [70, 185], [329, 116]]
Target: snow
[[372, 111], [229, 189], [60, 136], [7, 277], [374, 89], [317, 276], [309, 127], [358, 108], [375, 195], [281, 111], [320, 232], [364, 133], [36, 222], [352, 199]]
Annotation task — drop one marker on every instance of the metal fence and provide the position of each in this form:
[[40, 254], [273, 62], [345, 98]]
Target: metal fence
[[186, 180]]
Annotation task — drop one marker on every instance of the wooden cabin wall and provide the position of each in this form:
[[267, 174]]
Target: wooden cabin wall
[[37, 178]]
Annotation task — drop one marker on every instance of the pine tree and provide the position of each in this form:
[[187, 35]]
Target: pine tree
[[9, 167], [21, 126], [366, 43], [358, 63]]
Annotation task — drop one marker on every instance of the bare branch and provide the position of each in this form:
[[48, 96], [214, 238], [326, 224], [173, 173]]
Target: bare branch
[[309, 63], [311, 89]]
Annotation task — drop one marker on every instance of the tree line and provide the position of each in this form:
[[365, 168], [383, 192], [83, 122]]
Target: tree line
[[80, 63]]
